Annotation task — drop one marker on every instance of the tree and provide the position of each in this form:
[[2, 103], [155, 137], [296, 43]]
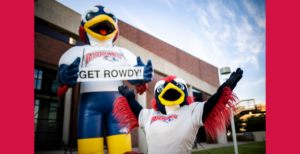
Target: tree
[[237, 123], [256, 123]]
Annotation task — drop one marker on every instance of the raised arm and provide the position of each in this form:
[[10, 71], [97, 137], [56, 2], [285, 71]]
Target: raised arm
[[130, 97], [216, 112], [213, 100]]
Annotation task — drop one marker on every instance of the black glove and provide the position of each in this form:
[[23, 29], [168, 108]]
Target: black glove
[[233, 79], [124, 90], [130, 97]]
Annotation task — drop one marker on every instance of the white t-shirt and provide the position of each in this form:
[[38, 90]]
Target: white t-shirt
[[174, 133], [99, 57]]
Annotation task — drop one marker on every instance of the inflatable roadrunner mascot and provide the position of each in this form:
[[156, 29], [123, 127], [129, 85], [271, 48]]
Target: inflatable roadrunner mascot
[[171, 126], [99, 30]]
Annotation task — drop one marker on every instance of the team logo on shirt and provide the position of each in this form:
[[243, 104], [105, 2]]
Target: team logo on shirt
[[164, 119], [106, 55]]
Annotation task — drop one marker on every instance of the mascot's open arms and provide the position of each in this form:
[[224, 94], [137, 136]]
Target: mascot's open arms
[[171, 126]]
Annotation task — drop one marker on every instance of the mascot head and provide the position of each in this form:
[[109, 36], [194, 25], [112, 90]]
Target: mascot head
[[170, 92], [98, 26]]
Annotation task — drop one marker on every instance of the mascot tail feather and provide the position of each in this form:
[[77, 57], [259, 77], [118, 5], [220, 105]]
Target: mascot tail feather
[[124, 115], [62, 91], [153, 104], [190, 100], [142, 88], [221, 114]]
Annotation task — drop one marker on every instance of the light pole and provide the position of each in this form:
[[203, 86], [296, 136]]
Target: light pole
[[225, 71]]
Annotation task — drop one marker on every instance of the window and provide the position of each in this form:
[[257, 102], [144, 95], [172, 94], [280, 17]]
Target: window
[[48, 110], [38, 75], [72, 41], [198, 95]]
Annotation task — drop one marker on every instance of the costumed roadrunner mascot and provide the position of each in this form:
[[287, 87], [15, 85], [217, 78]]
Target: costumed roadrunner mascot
[[171, 126], [99, 30]]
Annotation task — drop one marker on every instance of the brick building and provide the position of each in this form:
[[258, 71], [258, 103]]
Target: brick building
[[56, 30]]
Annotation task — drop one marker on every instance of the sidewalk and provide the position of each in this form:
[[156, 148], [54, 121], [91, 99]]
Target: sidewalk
[[199, 148]]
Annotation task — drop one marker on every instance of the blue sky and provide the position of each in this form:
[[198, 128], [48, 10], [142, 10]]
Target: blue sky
[[222, 33]]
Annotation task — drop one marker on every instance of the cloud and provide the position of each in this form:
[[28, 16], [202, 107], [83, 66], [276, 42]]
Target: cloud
[[261, 22], [213, 9], [246, 26], [253, 11], [223, 35], [255, 83], [253, 60], [244, 85], [226, 33], [229, 13], [201, 15], [260, 81], [169, 3]]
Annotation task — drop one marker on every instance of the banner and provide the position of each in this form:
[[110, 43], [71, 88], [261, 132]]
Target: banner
[[117, 73]]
